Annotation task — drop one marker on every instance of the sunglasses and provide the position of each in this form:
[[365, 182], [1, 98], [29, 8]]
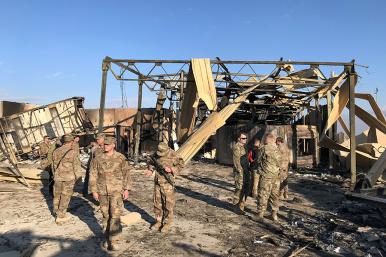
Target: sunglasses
[[243, 138]]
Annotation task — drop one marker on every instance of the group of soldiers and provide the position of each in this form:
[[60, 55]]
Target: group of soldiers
[[107, 179], [261, 172]]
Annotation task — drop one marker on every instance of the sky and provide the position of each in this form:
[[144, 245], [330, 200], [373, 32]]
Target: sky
[[52, 50]]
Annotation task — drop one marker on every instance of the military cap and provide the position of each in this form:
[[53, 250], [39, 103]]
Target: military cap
[[100, 135], [110, 140], [67, 138], [162, 149]]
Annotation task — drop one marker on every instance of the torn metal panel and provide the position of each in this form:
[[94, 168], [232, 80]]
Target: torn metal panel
[[206, 90], [26, 130]]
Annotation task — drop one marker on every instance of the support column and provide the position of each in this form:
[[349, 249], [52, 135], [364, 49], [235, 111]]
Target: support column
[[139, 122], [330, 132], [352, 80], [318, 124], [105, 68]]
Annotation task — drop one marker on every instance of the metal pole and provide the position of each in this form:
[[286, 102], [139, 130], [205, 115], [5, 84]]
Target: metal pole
[[330, 131], [105, 68], [352, 80], [139, 123]]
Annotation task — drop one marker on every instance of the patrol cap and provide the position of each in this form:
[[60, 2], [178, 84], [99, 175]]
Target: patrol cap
[[67, 138], [100, 135], [162, 149], [110, 140]]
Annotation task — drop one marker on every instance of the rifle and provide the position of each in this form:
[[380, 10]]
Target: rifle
[[161, 170]]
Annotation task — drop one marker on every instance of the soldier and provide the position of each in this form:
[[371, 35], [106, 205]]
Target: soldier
[[96, 149], [284, 162], [66, 168], [109, 183], [254, 157], [44, 147], [75, 145], [50, 153], [167, 164], [45, 164], [269, 177], [241, 172]]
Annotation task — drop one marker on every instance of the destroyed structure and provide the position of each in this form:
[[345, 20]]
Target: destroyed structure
[[202, 105], [214, 99]]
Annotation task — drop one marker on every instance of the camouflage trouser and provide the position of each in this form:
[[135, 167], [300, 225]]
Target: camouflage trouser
[[163, 200], [269, 190], [255, 179], [284, 182], [242, 186], [63, 191], [111, 208]]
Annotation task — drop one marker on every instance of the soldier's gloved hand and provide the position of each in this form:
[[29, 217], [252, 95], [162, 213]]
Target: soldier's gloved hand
[[95, 196], [125, 194], [168, 170]]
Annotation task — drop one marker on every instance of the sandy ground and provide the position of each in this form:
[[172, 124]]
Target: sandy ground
[[317, 215]]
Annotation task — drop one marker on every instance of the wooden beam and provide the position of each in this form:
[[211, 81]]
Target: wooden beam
[[352, 82], [105, 68], [138, 124]]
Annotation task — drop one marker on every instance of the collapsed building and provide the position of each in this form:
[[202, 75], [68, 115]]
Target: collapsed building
[[203, 104], [211, 101]]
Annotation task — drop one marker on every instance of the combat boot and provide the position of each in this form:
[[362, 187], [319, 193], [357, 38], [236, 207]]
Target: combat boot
[[260, 215], [156, 226], [61, 218], [241, 207], [166, 227], [274, 216], [114, 246]]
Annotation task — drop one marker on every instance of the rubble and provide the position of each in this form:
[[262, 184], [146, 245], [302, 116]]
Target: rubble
[[205, 220]]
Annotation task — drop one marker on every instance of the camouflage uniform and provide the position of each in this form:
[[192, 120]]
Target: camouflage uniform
[[284, 162], [66, 168], [109, 177], [163, 197], [50, 153], [242, 175], [43, 152], [269, 183], [75, 146], [255, 169], [95, 151]]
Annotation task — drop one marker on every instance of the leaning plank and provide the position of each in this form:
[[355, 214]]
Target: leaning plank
[[214, 121], [377, 169], [366, 198]]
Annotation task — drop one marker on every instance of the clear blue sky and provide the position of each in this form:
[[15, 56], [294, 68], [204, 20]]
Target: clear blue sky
[[51, 50]]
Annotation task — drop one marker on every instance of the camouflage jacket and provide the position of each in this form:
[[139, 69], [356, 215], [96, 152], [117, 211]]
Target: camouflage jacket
[[270, 161], [65, 164], [284, 156], [238, 152], [109, 174], [75, 146], [173, 160], [43, 149]]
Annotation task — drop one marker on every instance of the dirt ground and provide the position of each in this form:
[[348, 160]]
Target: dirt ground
[[317, 215]]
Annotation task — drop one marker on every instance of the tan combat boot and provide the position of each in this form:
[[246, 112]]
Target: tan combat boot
[[274, 216], [241, 207], [61, 218], [156, 226], [166, 227]]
